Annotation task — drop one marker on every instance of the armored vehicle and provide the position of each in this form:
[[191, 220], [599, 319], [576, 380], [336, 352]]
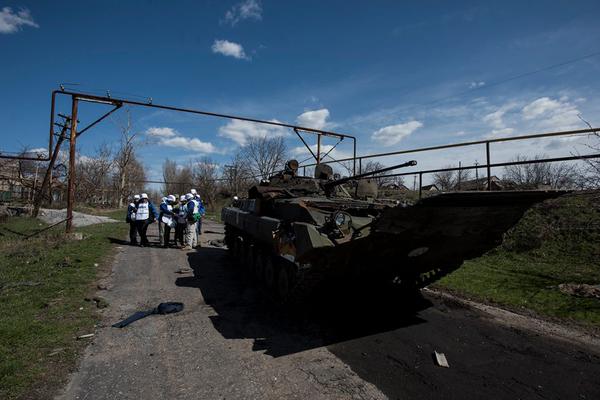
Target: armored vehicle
[[295, 233]]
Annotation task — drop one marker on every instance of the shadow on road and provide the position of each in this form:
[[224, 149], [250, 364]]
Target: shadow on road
[[392, 348], [246, 311]]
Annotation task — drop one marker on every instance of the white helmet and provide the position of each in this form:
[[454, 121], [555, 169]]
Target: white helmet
[[193, 191], [144, 196], [136, 196], [182, 197], [171, 198], [189, 196]]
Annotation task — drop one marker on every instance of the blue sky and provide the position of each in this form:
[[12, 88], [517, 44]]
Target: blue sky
[[396, 74]]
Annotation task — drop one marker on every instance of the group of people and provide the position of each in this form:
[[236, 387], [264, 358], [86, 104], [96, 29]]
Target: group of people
[[183, 216]]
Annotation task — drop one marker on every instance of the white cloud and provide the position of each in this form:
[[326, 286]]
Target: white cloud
[[12, 23], [476, 84], [189, 144], [498, 133], [393, 134], [229, 49], [552, 114], [540, 107], [161, 132], [171, 138], [37, 152], [240, 131], [249, 9], [496, 119], [316, 119]]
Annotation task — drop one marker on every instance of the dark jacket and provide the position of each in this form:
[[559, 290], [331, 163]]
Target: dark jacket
[[132, 208], [164, 210]]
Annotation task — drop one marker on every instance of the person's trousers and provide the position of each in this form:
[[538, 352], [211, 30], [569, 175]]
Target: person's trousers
[[198, 230], [142, 227], [132, 233], [191, 235], [179, 233], [160, 232], [166, 235]]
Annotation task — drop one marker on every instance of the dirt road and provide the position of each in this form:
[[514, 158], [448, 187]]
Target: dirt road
[[231, 342]]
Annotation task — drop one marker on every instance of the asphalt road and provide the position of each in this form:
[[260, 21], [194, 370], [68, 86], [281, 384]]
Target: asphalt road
[[232, 342]]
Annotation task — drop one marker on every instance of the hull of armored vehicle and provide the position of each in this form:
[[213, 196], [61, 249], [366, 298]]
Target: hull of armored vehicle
[[292, 244]]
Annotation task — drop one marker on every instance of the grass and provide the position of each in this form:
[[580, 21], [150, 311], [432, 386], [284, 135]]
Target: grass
[[44, 282], [556, 242]]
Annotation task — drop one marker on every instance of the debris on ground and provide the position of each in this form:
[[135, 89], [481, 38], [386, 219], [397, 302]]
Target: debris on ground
[[99, 301], [163, 308], [50, 217], [440, 359], [580, 290], [217, 243], [87, 336]]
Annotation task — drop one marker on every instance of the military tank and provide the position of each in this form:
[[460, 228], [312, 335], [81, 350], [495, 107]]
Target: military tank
[[296, 233]]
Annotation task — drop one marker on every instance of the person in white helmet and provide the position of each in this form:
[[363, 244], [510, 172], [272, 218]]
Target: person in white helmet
[[160, 223], [192, 216], [201, 211], [166, 218], [144, 216], [180, 213], [130, 219]]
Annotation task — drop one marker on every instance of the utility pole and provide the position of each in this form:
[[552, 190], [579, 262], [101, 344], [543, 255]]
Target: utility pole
[[459, 174], [48, 176], [72, 155]]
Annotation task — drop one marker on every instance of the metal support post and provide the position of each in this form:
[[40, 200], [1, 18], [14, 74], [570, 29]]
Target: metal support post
[[72, 155]]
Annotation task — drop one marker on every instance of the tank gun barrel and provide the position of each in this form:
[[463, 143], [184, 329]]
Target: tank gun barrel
[[332, 184]]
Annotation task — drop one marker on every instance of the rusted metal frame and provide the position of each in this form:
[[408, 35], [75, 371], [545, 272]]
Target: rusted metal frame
[[496, 165], [331, 149], [318, 149], [305, 144], [102, 99], [488, 167], [72, 156], [117, 106], [463, 144], [48, 175]]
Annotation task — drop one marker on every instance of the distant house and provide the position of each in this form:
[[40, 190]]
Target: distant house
[[395, 186], [481, 184], [429, 188]]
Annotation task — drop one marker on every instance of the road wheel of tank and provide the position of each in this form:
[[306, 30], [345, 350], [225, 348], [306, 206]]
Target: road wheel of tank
[[236, 251], [259, 266], [270, 272], [286, 281], [250, 257]]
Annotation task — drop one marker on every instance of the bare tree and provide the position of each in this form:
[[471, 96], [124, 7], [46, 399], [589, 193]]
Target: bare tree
[[125, 156], [205, 179], [178, 179], [94, 177], [263, 156], [236, 177], [531, 176], [589, 177], [371, 166], [451, 180]]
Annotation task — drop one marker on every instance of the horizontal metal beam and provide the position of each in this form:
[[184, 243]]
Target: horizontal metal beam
[[463, 144], [115, 101], [494, 165]]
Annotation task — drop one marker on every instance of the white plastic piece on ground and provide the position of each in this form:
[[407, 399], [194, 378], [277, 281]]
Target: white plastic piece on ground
[[440, 358], [89, 335]]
